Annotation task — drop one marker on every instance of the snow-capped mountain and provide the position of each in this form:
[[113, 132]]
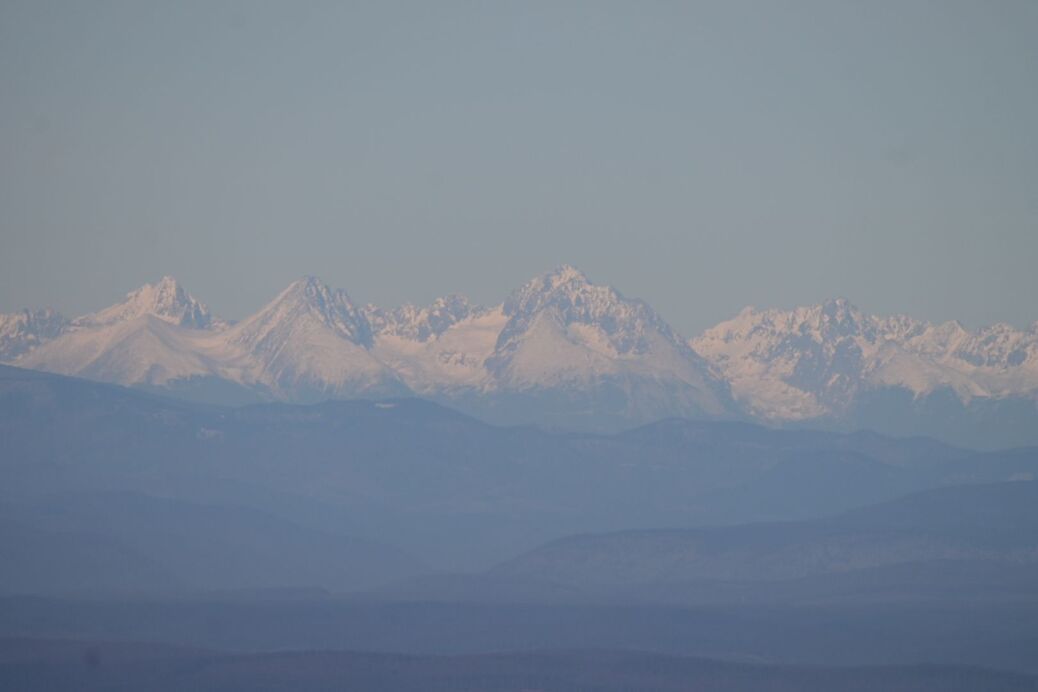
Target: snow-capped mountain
[[565, 334], [310, 343], [832, 361], [421, 323], [165, 299], [438, 350], [156, 336], [559, 350], [21, 332], [590, 329], [790, 365]]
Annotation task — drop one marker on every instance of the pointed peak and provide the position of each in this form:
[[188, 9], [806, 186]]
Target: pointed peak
[[308, 295], [563, 279], [312, 289], [564, 274], [166, 283], [567, 297], [165, 299], [309, 282]]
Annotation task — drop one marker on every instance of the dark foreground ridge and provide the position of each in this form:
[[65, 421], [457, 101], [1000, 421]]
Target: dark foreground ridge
[[51, 665], [995, 636]]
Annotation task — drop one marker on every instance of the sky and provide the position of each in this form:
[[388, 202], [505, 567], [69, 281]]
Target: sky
[[701, 156]]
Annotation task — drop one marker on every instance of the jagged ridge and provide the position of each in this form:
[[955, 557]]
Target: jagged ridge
[[558, 344]]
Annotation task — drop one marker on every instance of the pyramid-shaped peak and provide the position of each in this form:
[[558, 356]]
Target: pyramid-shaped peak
[[570, 298], [165, 299], [167, 283], [564, 283], [165, 296], [309, 285], [309, 296], [166, 286], [316, 293]]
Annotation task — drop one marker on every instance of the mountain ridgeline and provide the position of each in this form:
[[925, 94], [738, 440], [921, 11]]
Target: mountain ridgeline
[[559, 351]]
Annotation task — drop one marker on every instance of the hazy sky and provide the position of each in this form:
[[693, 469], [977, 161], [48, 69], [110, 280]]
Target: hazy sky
[[700, 156]]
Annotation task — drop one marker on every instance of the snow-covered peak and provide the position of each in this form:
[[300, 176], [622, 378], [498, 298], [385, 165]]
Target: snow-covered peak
[[559, 335], [814, 360], [310, 293], [767, 329], [997, 346], [567, 334], [832, 319], [311, 343], [308, 299], [565, 274], [901, 328], [165, 299], [421, 323], [569, 297], [21, 332], [564, 283]]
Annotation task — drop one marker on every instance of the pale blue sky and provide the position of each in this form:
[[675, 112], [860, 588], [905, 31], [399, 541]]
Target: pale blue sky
[[702, 156]]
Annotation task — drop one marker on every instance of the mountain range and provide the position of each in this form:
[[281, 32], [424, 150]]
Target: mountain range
[[559, 351]]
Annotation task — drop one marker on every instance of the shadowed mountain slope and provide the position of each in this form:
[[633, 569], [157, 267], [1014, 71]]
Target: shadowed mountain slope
[[457, 492], [63, 665]]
